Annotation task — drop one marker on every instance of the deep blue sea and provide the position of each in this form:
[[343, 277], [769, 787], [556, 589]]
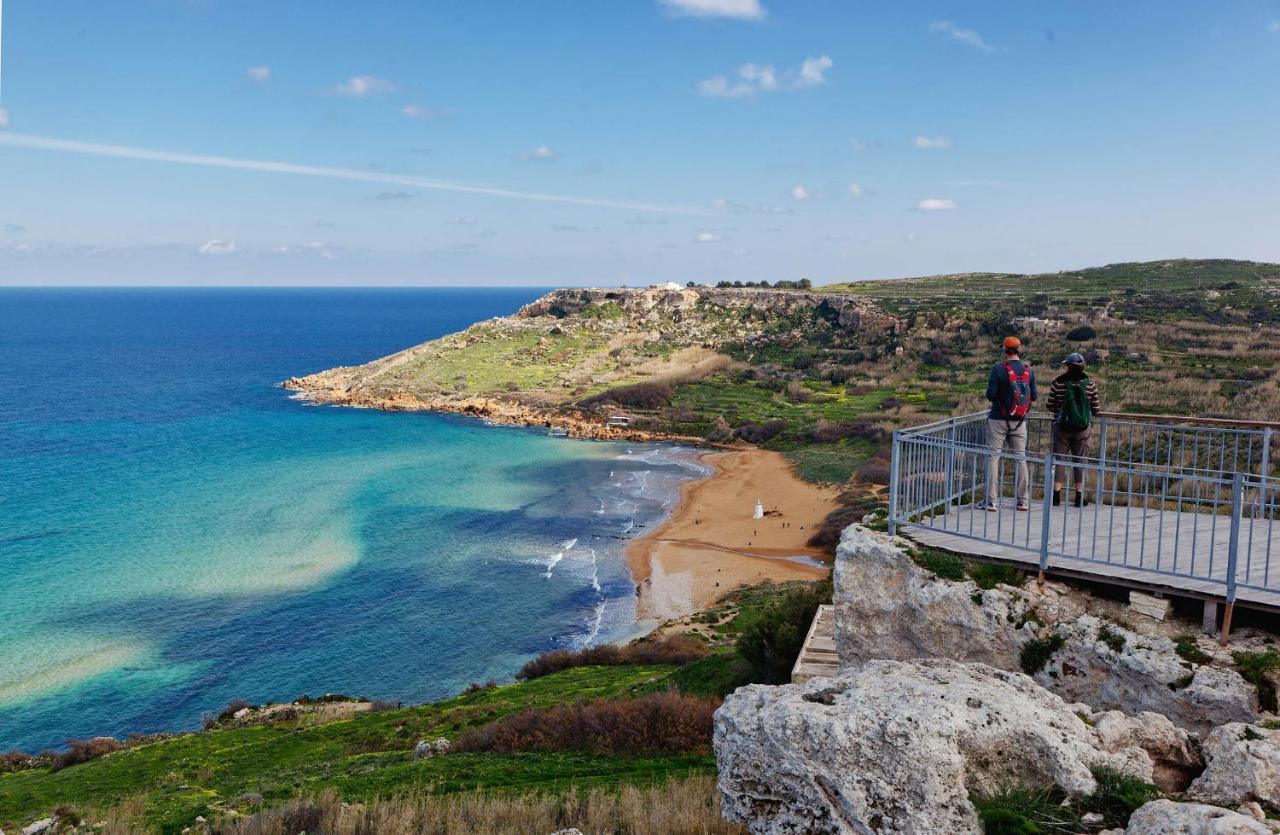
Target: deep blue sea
[[177, 532]]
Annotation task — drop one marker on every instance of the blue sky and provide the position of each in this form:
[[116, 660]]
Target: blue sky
[[629, 141]]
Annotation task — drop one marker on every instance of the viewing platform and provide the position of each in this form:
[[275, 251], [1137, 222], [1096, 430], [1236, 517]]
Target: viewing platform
[[1174, 505]]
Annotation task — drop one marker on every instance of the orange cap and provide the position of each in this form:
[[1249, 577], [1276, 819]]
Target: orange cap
[[1012, 342]]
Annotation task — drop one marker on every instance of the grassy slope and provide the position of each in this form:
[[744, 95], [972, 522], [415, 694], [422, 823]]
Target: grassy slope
[[363, 757]]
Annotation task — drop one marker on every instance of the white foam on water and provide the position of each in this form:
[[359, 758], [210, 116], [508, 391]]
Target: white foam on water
[[552, 561], [568, 544], [595, 571], [593, 631]]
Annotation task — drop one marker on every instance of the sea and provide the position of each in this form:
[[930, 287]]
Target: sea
[[176, 531]]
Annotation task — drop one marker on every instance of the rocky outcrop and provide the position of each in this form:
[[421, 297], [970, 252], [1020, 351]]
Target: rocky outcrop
[[1243, 766], [1112, 668], [1175, 753], [889, 607], [897, 747], [425, 750], [1165, 817]]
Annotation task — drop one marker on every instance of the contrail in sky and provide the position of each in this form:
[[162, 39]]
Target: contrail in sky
[[45, 143]]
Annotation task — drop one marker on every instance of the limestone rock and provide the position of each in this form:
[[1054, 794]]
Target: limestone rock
[[889, 607], [896, 747], [1243, 765], [1175, 753], [41, 826], [425, 750], [1165, 817]]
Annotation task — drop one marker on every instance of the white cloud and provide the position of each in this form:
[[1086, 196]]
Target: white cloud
[[4, 118], [363, 86], [261, 73], [417, 111], [936, 204], [751, 79], [1274, 27], [736, 9], [705, 237], [968, 36], [542, 153], [219, 247], [461, 221], [855, 190], [800, 193], [940, 143], [322, 250], [858, 146]]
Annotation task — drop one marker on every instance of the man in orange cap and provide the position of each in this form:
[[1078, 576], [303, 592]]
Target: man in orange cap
[[1011, 388]]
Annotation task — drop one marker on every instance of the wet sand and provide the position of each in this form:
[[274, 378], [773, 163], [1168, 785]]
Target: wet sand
[[711, 544]]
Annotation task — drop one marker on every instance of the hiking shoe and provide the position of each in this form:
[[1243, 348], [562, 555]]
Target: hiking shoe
[[1057, 497], [1022, 508], [992, 507]]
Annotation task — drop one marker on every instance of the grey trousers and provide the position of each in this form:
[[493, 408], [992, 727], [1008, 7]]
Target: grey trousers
[[1004, 436]]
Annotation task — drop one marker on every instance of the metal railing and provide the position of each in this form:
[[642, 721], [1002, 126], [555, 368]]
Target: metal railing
[[1178, 501]]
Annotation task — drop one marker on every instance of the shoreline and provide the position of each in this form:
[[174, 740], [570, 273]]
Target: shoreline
[[710, 544]]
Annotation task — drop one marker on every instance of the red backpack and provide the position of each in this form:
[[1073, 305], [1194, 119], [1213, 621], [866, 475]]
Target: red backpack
[[1019, 402]]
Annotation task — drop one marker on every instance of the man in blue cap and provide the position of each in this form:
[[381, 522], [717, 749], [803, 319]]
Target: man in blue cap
[[1074, 403]]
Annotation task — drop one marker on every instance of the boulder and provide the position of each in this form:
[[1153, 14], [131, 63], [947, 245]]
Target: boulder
[[1175, 753], [897, 747], [1113, 668], [425, 750], [1242, 766], [889, 607], [41, 826], [1165, 817]]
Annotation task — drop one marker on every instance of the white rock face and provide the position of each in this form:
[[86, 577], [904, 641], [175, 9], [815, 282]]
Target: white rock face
[[1243, 766], [889, 607], [425, 750], [896, 747], [1145, 674], [40, 827], [1165, 817], [1175, 753]]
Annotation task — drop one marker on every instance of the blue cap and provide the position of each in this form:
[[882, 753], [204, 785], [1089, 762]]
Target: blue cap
[[1073, 359]]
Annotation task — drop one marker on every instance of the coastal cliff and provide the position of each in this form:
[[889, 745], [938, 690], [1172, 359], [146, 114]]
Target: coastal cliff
[[536, 366]]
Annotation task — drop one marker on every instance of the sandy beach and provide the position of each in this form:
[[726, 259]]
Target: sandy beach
[[711, 544]]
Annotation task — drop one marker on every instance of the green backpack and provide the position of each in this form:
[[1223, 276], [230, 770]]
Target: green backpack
[[1076, 414]]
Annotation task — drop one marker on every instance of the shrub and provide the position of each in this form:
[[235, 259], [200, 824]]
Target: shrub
[[875, 471], [828, 533], [1117, 796], [636, 396], [757, 433], [1111, 638], [1037, 652], [1189, 650], [936, 356], [665, 722], [1012, 810], [890, 403], [83, 750], [676, 650], [989, 575], [798, 393], [772, 642], [829, 431], [1082, 334]]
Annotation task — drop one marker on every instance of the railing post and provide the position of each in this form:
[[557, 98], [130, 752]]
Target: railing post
[[1045, 517], [950, 471], [1101, 478], [893, 484], [1233, 552]]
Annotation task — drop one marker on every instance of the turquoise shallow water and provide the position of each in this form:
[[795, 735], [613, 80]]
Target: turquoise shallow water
[[176, 532]]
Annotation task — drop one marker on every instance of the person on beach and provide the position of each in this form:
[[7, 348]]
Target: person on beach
[[1011, 388], [1074, 403]]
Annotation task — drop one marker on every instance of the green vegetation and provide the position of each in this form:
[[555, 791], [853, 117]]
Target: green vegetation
[[1189, 650], [771, 642], [1254, 667], [1111, 638], [1037, 652], [1019, 810], [951, 566]]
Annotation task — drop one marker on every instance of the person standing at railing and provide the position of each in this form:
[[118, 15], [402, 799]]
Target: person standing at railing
[[1074, 403], [1011, 388]]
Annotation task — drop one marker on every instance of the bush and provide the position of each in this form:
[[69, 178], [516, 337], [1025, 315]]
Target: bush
[[936, 356], [988, 575], [1082, 334], [772, 642], [1111, 638], [757, 433], [657, 723], [1117, 796], [890, 403], [1019, 811], [1189, 650], [636, 396], [829, 431], [675, 650], [875, 471], [1037, 652], [1253, 667], [83, 750], [798, 393]]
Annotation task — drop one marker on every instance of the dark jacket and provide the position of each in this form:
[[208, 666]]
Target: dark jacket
[[1058, 393], [998, 386]]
